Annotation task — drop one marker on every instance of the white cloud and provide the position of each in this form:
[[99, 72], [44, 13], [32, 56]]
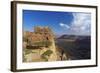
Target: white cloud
[[64, 25], [80, 25]]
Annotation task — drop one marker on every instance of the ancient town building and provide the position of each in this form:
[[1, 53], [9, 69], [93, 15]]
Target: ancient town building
[[40, 34]]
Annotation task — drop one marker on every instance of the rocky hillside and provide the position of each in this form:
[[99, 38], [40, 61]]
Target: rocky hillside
[[40, 45]]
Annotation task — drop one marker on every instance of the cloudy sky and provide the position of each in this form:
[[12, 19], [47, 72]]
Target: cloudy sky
[[60, 22]]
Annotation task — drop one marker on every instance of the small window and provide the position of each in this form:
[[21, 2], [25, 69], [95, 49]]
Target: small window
[[47, 38]]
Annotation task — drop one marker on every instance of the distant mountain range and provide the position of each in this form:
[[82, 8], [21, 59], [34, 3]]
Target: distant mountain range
[[78, 46], [74, 37]]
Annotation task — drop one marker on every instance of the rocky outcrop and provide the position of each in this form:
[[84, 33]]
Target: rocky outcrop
[[43, 38]]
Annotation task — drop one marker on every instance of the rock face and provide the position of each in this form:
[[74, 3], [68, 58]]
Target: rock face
[[40, 34], [39, 43]]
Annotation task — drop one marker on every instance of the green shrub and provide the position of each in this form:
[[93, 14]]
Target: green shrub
[[46, 54], [27, 51], [42, 43]]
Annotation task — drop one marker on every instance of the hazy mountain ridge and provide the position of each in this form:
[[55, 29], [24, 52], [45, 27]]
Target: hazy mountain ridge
[[74, 37], [77, 46]]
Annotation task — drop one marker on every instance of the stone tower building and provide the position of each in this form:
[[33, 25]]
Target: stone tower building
[[42, 35]]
